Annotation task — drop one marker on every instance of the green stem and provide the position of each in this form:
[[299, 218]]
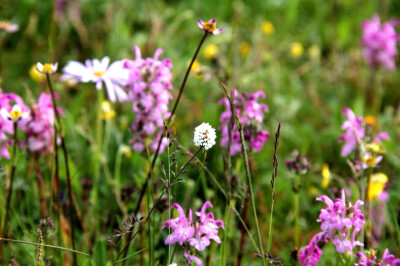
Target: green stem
[[296, 212]]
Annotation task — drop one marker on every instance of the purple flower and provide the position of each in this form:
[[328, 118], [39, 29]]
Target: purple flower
[[251, 115], [379, 41], [370, 259], [355, 131], [196, 234], [311, 254], [209, 26], [341, 223], [149, 84], [113, 76]]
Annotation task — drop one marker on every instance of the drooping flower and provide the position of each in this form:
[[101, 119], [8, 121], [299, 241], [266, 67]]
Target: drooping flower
[[47, 68], [8, 26], [113, 76], [40, 128], [379, 41], [341, 223], [204, 136], [209, 26], [251, 115], [149, 84], [197, 234]]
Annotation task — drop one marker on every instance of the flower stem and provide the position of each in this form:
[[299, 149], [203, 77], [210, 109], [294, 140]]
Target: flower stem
[[65, 153], [296, 211]]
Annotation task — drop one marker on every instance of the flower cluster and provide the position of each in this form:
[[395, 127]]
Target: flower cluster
[[40, 128], [113, 76], [149, 84], [299, 164], [204, 136], [370, 259], [251, 115], [340, 223], [355, 135], [379, 41], [197, 234], [311, 254], [8, 102]]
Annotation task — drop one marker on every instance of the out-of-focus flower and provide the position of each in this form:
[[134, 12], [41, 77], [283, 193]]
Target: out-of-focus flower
[[244, 48], [369, 259], [251, 115], [8, 26], [314, 51], [107, 112], [209, 26], [326, 175], [267, 27], [379, 41], [204, 136], [370, 120], [296, 50], [310, 255], [377, 185], [36, 75], [149, 84], [210, 51], [339, 219], [196, 69], [197, 234], [15, 114], [126, 151], [354, 132], [6, 126], [299, 164], [113, 76], [40, 129], [47, 68]]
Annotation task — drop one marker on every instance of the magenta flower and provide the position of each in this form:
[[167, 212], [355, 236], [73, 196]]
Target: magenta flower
[[355, 131], [196, 234], [370, 259], [149, 84], [310, 255], [40, 129], [251, 115], [379, 41], [99, 72], [209, 26], [7, 101], [341, 223]]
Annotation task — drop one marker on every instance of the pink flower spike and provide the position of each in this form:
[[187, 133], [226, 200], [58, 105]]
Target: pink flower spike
[[209, 26]]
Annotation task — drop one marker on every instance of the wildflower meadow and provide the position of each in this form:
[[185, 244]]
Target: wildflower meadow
[[199, 133]]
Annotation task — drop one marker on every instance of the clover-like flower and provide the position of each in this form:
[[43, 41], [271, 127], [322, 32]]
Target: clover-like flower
[[209, 26], [204, 136], [46, 68], [15, 114]]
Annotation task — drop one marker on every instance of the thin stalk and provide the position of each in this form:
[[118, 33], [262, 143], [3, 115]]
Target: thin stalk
[[367, 213], [11, 180], [43, 245], [169, 199], [273, 181], [175, 178], [63, 146], [296, 211]]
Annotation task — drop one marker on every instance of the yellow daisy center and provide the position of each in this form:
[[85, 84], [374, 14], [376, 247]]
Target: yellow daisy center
[[15, 114], [99, 73], [47, 68], [209, 26]]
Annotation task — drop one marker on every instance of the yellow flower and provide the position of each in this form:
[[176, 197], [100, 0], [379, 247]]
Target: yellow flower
[[376, 185], [244, 48], [196, 69], [326, 175], [107, 112], [210, 51], [313, 191], [126, 150], [267, 56], [296, 50], [267, 27], [47, 68], [370, 120], [36, 75], [314, 52]]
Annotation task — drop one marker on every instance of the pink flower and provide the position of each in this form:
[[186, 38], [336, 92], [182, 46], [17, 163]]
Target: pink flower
[[113, 76], [379, 41], [209, 26], [370, 259], [355, 131], [149, 84], [251, 115], [310, 255]]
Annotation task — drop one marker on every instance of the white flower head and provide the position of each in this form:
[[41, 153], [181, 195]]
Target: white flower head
[[46, 68], [15, 114], [204, 136]]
